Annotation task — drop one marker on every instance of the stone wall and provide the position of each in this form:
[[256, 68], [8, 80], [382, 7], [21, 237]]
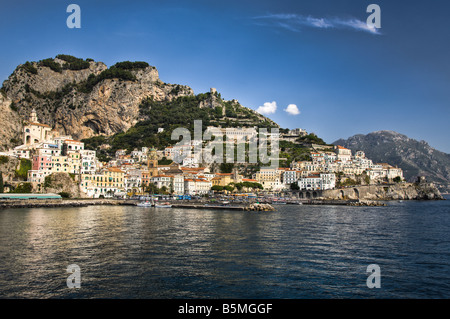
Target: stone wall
[[402, 191]]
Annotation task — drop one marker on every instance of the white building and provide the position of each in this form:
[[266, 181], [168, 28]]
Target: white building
[[178, 184], [197, 186], [162, 181], [88, 162], [343, 154], [321, 181], [289, 177]]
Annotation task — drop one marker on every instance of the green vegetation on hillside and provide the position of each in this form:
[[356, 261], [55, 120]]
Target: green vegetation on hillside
[[112, 73], [180, 112], [50, 63], [29, 67], [311, 139], [293, 152], [25, 166], [127, 65], [23, 188], [73, 63]]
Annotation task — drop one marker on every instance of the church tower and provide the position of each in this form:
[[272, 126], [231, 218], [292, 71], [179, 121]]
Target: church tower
[[33, 116], [152, 162]]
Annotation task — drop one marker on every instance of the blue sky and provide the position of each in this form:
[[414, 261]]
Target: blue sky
[[319, 55]]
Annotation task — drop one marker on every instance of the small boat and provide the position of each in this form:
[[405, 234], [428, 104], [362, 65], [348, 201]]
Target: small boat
[[145, 204], [278, 203], [163, 205]]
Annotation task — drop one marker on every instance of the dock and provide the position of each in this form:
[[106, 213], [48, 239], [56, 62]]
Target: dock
[[196, 206]]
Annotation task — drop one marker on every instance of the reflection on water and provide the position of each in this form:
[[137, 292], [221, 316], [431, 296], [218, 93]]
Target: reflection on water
[[296, 252]]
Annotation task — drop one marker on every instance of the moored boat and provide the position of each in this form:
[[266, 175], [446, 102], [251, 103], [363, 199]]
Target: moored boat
[[163, 205], [145, 204]]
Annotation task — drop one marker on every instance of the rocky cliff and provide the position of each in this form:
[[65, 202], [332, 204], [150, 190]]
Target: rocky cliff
[[82, 101], [10, 124]]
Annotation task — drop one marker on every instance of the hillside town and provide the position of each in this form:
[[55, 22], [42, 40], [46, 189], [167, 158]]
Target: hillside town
[[140, 171]]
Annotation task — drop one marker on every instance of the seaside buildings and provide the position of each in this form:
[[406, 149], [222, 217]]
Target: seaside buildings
[[138, 171]]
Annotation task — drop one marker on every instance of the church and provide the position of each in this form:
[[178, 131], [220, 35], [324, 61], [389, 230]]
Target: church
[[35, 132]]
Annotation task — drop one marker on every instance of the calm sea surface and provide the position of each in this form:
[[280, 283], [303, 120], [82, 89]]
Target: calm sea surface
[[295, 252]]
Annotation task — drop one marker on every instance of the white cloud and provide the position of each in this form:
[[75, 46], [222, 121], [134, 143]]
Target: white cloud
[[292, 109], [267, 108], [295, 22]]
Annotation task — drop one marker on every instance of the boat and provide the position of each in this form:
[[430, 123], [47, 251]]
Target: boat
[[145, 204], [163, 205], [278, 203]]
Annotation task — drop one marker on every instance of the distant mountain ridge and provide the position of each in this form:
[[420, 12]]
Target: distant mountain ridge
[[414, 157]]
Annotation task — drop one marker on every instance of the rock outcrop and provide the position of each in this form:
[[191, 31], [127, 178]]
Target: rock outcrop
[[260, 207], [401, 191], [61, 183], [10, 124], [8, 166]]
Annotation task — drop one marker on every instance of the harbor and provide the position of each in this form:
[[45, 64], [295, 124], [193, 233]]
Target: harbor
[[259, 205]]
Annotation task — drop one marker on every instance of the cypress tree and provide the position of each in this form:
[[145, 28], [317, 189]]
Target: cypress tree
[[1, 182]]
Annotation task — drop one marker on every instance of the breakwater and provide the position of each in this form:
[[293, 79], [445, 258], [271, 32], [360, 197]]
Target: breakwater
[[48, 203]]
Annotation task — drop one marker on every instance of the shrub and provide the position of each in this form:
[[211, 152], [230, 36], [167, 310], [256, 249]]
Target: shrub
[[397, 179], [29, 67], [4, 159], [51, 64], [127, 65], [73, 63], [65, 194], [13, 106], [48, 181], [24, 188], [112, 73], [25, 166]]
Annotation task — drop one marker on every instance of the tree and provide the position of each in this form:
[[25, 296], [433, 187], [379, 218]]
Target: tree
[[217, 188], [397, 179], [1, 182], [164, 161], [295, 187], [23, 188], [25, 166], [228, 188], [226, 167]]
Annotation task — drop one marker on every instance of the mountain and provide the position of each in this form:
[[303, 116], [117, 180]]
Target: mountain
[[414, 157], [85, 99]]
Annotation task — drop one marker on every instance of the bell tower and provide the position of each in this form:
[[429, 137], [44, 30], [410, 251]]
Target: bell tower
[[33, 117], [152, 162]]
